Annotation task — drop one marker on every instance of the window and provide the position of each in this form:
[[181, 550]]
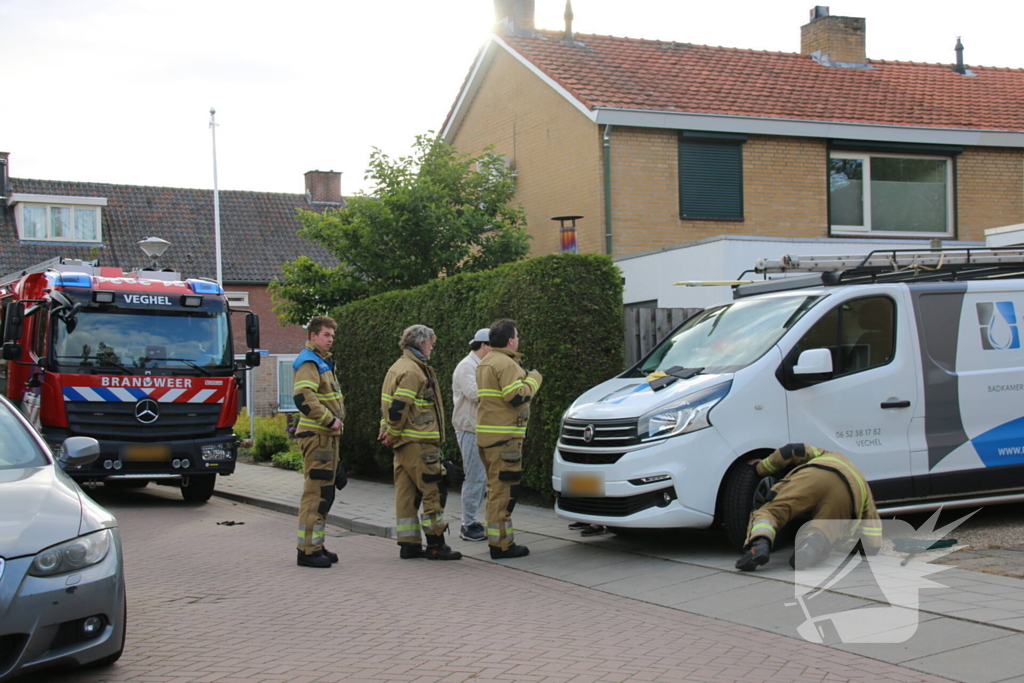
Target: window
[[237, 299], [285, 384], [891, 194], [711, 175], [63, 219], [861, 335]]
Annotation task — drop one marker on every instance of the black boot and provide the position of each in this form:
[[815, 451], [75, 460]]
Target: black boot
[[333, 557], [317, 559], [437, 549], [754, 555], [513, 551], [810, 551], [411, 551]]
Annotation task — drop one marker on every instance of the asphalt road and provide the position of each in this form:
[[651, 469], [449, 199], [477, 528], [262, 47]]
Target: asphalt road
[[217, 603]]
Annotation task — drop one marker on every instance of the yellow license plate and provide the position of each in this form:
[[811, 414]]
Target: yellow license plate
[[149, 452], [583, 484]]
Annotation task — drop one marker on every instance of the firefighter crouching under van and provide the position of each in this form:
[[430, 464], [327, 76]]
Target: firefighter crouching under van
[[819, 483]]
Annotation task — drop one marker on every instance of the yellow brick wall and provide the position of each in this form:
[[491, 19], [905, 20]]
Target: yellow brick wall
[[990, 190], [554, 148]]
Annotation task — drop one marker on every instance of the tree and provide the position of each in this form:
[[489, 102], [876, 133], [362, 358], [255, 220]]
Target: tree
[[435, 213]]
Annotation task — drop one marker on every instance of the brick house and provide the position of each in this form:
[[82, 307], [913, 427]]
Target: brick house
[[660, 144], [258, 234]]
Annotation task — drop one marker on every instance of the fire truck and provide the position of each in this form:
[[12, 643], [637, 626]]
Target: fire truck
[[141, 361]]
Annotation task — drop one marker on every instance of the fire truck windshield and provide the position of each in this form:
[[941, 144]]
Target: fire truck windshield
[[129, 341]]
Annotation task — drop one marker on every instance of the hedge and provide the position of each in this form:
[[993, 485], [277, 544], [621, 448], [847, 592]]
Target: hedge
[[569, 311]]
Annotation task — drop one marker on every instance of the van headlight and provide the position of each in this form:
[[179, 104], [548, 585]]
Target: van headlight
[[72, 555], [688, 414]]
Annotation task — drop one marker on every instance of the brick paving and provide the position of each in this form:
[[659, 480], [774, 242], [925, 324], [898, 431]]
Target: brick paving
[[227, 604]]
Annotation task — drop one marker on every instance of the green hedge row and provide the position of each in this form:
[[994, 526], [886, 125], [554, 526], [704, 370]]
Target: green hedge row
[[569, 310]]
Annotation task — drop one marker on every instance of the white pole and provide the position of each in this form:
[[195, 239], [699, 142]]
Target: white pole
[[216, 197]]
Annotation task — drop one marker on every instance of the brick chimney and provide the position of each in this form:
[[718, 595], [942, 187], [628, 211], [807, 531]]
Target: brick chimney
[[833, 39], [514, 17], [323, 187]]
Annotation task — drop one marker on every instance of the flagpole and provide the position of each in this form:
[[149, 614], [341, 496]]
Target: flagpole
[[216, 197]]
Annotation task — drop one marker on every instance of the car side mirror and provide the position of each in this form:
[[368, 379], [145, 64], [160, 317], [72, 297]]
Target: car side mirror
[[814, 362], [252, 331], [79, 450]]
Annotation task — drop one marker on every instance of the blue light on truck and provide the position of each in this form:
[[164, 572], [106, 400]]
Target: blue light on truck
[[69, 279], [204, 287]]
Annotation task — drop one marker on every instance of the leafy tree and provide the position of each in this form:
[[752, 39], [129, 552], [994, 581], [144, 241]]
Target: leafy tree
[[435, 213]]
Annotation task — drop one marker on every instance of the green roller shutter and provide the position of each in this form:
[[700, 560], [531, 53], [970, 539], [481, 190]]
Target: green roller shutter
[[711, 176]]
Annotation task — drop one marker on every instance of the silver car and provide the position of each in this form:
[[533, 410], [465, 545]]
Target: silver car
[[62, 596]]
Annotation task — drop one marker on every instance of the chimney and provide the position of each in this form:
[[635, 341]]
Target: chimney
[[3, 174], [514, 17], [833, 39], [323, 187], [959, 68]]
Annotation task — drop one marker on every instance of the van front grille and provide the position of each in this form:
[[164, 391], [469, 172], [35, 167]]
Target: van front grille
[[622, 506], [602, 433]]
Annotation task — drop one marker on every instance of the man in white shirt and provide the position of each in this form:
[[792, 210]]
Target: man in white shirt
[[474, 488]]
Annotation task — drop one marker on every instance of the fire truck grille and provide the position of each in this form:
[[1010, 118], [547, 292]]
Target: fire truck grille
[[117, 421]]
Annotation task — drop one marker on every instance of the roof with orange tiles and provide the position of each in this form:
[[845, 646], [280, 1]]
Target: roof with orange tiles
[[658, 76]]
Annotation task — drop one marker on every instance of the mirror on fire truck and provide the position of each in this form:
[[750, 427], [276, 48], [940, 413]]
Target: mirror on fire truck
[[14, 317], [252, 331]]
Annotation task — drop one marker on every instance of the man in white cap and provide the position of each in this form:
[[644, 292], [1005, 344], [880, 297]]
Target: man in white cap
[[464, 421]]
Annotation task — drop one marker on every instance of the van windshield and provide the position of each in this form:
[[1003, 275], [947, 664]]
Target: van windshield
[[727, 338]]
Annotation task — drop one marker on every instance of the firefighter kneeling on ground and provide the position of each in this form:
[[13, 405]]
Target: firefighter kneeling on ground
[[819, 483]]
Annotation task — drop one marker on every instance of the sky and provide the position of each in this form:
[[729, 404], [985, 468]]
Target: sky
[[120, 91]]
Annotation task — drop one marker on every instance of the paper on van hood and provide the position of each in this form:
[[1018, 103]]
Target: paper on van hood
[[624, 397]]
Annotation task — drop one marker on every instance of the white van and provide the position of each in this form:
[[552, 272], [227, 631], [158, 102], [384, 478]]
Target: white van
[[909, 363]]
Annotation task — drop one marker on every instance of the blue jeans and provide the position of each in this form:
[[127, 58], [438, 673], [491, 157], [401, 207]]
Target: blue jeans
[[474, 488]]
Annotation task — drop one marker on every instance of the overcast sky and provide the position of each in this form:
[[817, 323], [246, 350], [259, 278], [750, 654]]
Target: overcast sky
[[119, 91]]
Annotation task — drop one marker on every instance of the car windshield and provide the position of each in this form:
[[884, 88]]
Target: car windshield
[[727, 338], [17, 447], [132, 339]]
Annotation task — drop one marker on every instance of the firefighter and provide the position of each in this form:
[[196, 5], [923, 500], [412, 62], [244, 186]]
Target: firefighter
[[413, 425], [819, 483], [321, 404], [505, 390]]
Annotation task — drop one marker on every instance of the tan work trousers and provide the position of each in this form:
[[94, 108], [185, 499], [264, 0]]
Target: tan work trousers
[[504, 465], [417, 476], [813, 491], [319, 465]]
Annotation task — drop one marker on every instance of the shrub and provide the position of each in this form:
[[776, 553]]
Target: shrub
[[569, 311], [242, 425], [288, 460], [271, 437]]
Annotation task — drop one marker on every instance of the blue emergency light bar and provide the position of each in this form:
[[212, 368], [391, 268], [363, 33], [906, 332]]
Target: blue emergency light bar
[[69, 279], [205, 287]]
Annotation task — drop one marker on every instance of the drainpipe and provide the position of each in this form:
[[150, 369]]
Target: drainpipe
[[608, 189]]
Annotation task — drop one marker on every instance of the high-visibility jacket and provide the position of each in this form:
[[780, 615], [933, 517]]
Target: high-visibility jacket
[[410, 402], [867, 524], [505, 390], [317, 394]]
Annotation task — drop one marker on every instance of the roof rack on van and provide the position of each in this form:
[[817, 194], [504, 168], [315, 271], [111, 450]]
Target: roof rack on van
[[884, 265]]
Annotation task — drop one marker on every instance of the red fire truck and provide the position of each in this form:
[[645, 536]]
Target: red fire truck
[[141, 361]]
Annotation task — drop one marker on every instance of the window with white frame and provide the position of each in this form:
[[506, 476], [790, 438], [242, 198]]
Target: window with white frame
[[237, 299], [59, 219], [285, 384], [898, 195]]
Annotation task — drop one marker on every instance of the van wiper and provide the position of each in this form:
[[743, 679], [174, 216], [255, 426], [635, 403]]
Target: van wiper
[[672, 374], [104, 363]]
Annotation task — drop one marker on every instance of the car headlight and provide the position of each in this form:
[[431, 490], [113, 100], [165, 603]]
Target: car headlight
[[688, 414], [72, 555]]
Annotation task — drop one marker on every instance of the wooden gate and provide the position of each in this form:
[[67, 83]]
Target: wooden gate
[[645, 327]]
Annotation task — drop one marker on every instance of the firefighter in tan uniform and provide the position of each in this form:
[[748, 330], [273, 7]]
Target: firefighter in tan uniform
[[505, 390], [322, 413], [824, 485], [412, 424]]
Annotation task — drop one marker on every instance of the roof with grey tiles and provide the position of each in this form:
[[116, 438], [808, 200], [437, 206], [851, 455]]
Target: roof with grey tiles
[[259, 230]]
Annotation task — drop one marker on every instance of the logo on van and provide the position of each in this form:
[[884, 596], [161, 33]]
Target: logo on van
[[998, 323]]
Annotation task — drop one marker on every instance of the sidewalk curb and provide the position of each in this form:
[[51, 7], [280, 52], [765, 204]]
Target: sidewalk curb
[[359, 526]]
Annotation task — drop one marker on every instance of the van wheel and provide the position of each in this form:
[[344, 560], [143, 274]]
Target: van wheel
[[199, 487], [743, 492]]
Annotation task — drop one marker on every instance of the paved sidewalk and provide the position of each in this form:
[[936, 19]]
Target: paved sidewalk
[[971, 630]]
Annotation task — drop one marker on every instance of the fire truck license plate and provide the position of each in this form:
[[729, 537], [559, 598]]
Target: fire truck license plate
[[149, 452], [584, 484]]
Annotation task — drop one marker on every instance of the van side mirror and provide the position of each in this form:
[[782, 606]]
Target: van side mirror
[[814, 362], [14, 318], [252, 331]]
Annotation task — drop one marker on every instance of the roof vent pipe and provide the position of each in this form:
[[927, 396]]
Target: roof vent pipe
[[959, 68], [568, 23]]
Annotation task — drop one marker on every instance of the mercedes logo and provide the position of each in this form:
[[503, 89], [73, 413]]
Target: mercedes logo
[[147, 411], [588, 433]]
